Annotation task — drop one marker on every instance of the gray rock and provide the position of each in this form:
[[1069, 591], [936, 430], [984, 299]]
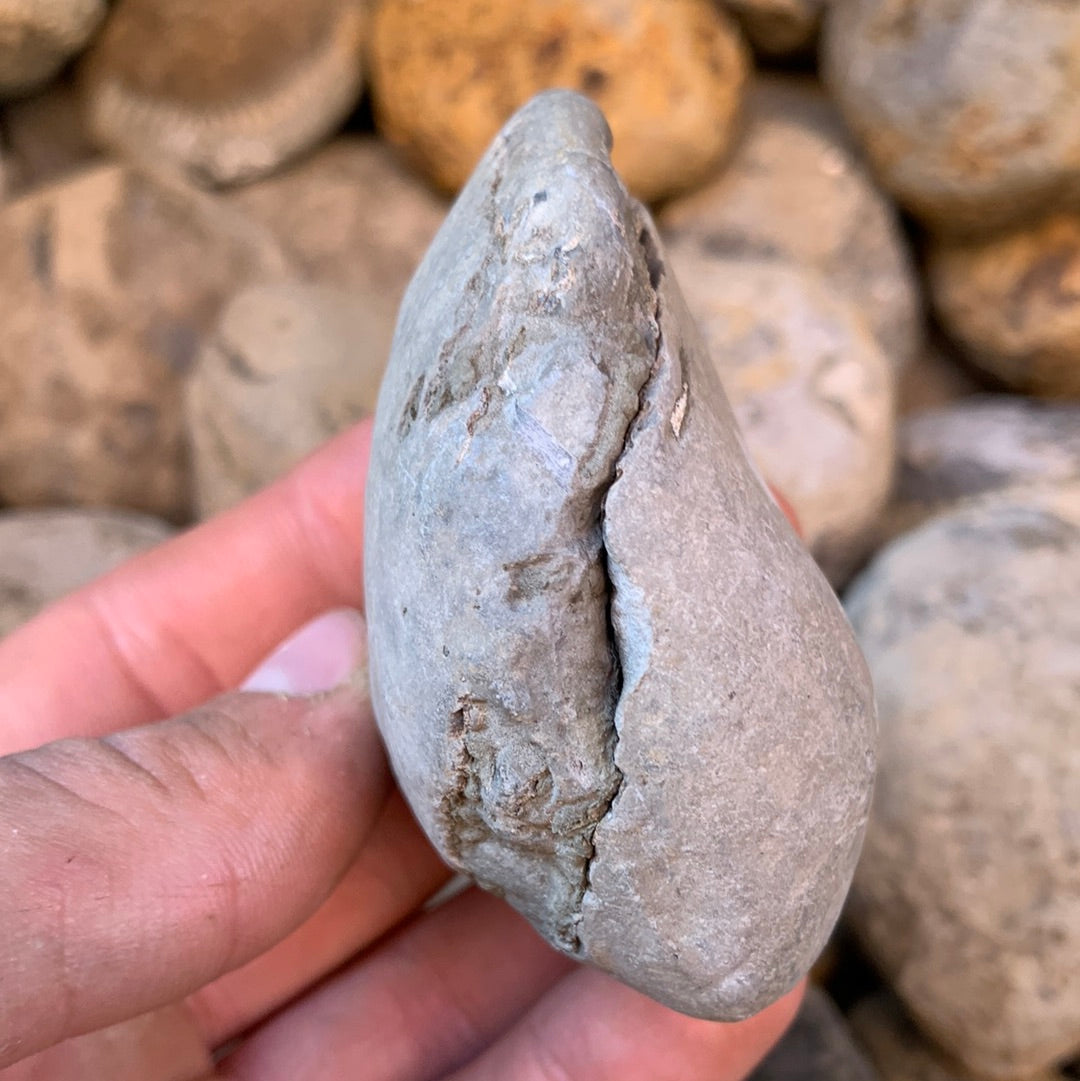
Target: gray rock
[[812, 391], [968, 109], [287, 366], [613, 685], [900, 1052], [980, 445], [795, 189], [968, 891], [817, 1047], [47, 553]]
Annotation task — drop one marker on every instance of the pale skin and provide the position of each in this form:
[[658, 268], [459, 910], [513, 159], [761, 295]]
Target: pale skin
[[236, 892]]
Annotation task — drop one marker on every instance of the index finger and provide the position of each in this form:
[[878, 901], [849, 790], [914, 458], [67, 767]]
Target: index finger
[[191, 618]]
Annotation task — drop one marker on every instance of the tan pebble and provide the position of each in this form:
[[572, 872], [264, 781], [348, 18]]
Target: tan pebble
[[288, 366], [795, 187], [350, 215], [900, 1052], [668, 74], [224, 91], [108, 283], [1012, 302], [968, 109]]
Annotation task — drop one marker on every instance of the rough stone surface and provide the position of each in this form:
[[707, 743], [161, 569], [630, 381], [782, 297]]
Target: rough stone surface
[[47, 553], [349, 215], [45, 138], [813, 394], [1012, 302], [612, 683], [778, 28], [224, 91], [794, 188], [968, 892], [817, 1047], [901, 1053], [668, 74], [288, 366], [969, 109], [37, 37], [979, 445], [109, 281]]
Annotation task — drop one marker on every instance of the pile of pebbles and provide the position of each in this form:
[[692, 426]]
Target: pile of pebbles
[[209, 214]]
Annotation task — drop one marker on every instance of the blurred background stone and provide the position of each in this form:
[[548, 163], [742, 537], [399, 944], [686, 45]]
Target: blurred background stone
[[935, 376], [38, 36], [46, 137], [817, 1047], [968, 109], [900, 1052], [224, 91], [778, 28], [968, 891], [812, 391], [108, 283], [795, 189], [288, 366], [47, 553], [350, 215], [981, 444], [669, 75], [1012, 302]]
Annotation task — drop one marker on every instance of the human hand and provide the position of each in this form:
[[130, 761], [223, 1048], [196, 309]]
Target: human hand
[[245, 875]]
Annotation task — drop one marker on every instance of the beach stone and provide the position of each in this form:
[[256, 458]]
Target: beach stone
[[778, 28], [813, 393], [982, 444], [288, 366], [225, 92], [37, 37], [817, 1047], [795, 189], [668, 74], [108, 282], [967, 895], [595, 641], [969, 110], [45, 137], [350, 216], [1012, 302], [901, 1053], [48, 552]]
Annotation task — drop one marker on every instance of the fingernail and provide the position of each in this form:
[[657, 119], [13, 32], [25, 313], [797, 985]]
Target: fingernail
[[322, 655]]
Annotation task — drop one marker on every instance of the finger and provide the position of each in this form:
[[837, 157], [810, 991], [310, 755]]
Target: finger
[[158, 1046], [139, 867], [590, 1028], [424, 1002], [396, 871], [190, 618]]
